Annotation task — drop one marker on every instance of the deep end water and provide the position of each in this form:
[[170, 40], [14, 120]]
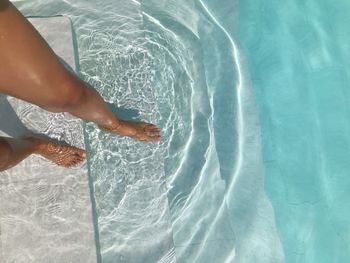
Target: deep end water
[[298, 56]]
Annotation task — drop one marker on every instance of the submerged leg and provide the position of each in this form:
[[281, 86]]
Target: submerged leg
[[30, 70], [13, 151]]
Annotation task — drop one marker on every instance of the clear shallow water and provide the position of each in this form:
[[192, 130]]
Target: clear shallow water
[[191, 66], [198, 195]]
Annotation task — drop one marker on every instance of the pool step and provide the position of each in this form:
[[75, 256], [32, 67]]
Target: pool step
[[127, 176], [45, 210]]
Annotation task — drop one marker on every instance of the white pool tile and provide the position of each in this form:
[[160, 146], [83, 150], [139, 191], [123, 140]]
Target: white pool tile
[[45, 210]]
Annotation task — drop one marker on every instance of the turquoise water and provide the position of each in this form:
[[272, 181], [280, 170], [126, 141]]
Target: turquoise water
[[298, 53], [252, 99]]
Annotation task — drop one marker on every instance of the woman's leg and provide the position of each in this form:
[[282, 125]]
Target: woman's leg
[[30, 70], [13, 151]]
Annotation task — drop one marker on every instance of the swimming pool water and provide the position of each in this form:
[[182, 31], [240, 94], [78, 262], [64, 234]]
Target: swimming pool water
[[298, 53], [218, 207], [243, 91]]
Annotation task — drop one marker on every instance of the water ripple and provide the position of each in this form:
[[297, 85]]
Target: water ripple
[[185, 72]]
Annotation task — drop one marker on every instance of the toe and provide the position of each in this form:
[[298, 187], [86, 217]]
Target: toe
[[150, 126], [81, 154], [153, 133], [152, 130], [155, 130], [155, 138], [77, 159], [67, 164], [74, 162]]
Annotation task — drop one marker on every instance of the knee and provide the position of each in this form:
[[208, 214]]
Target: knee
[[5, 153], [68, 97]]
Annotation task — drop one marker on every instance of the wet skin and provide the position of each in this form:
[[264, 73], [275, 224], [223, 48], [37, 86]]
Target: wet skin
[[31, 71]]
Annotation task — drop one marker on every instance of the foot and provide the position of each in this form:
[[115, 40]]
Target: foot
[[62, 155], [137, 130]]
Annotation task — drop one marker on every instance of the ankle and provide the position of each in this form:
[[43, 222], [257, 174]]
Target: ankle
[[36, 144]]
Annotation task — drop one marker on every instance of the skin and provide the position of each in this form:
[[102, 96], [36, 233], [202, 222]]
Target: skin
[[13, 151], [31, 71]]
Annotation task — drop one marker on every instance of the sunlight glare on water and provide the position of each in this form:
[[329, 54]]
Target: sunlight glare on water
[[199, 193]]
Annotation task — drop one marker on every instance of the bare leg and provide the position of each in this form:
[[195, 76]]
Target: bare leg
[[30, 70], [13, 151]]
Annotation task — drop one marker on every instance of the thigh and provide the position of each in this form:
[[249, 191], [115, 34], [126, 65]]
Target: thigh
[[29, 69]]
